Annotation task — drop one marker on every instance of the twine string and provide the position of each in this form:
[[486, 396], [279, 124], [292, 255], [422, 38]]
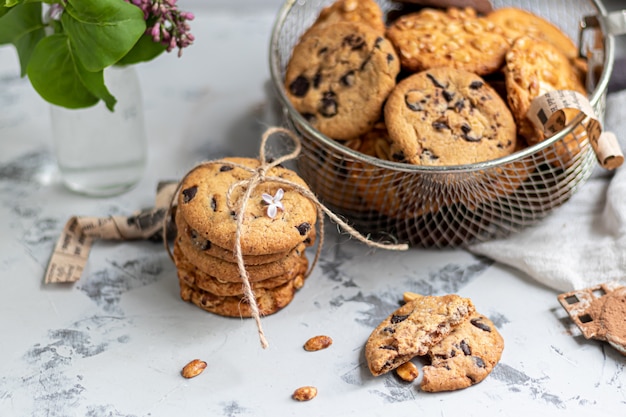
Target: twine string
[[259, 176]]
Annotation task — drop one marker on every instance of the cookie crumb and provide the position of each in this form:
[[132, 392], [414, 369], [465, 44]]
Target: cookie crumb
[[318, 343], [305, 393], [193, 368], [407, 371]]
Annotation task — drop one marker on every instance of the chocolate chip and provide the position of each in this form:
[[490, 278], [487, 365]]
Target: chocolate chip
[[300, 86], [193, 234], [388, 347], [225, 168], [397, 319], [355, 42], [365, 62], [440, 125], [206, 245], [459, 105], [303, 228], [475, 85], [317, 80], [465, 348], [389, 330], [471, 138], [377, 42], [322, 50], [348, 79], [398, 156], [448, 95], [479, 362], [480, 325], [412, 105], [214, 204], [435, 81], [189, 193], [309, 117], [328, 104], [427, 153], [466, 128], [390, 58]]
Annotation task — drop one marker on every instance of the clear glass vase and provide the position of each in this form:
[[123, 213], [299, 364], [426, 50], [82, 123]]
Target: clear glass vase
[[99, 152]]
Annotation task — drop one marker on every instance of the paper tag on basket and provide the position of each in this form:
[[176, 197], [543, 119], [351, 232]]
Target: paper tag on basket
[[547, 112], [73, 246]]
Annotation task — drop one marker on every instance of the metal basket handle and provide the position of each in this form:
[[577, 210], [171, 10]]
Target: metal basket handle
[[614, 23]]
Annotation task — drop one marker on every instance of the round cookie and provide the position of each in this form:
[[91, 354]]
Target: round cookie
[[534, 67], [516, 22], [339, 76], [446, 116], [194, 277], [413, 328], [202, 204], [269, 301], [454, 38], [367, 12], [197, 247], [465, 357], [229, 272]]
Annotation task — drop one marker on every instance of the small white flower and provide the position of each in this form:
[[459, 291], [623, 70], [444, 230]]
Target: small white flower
[[274, 202]]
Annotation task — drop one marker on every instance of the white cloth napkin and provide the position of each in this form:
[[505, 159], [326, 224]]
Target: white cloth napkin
[[583, 242]]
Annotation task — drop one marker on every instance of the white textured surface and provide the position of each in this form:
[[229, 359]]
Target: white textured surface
[[114, 343]]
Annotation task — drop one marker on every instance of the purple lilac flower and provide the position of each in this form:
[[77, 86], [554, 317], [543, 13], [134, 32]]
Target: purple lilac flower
[[168, 25]]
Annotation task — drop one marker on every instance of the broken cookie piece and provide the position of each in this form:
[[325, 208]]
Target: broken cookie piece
[[465, 357], [413, 329]]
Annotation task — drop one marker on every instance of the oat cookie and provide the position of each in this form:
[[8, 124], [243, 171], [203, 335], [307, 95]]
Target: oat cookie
[[338, 77], [197, 247], [516, 22], [454, 38], [465, 357], [413, 329], [269, 301], [202, 204], [195, 277], [446, 116], [534, 67], [359, 11]]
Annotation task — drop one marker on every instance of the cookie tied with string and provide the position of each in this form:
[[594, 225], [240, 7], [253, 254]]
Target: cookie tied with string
[[202, 202]]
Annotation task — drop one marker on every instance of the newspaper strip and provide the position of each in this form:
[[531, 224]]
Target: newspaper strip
[[72, 249], [547, 112]]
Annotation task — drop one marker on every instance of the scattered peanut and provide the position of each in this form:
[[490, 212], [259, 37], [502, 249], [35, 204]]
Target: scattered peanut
[[193, 368], [318, 343], [304, 393], [410, 296], [407, 371]]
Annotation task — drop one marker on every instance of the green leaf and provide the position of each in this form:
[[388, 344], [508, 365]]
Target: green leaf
[[20, 21], [94, 82], [101, 32], [54, 74], [23, 28], [144, 50], [9, 3]]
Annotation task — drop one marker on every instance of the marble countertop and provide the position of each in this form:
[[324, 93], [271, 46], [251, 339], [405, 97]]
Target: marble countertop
[[114, 343]]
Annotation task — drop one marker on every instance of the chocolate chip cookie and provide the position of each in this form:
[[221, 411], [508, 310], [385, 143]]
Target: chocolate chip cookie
[[338, 77], [454, 38], [413, 329], [202, 203], [465, 357], [199, 279], [447, 116], [269, 301]]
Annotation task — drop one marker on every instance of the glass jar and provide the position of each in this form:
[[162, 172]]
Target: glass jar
[[99, 152]]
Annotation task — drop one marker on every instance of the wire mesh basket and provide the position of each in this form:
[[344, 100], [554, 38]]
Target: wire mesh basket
[[453, 205]]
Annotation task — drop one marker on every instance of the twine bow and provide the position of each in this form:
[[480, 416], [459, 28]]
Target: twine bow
[[259, 176]]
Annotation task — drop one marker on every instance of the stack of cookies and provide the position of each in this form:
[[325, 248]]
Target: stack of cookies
[[278, 224]]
